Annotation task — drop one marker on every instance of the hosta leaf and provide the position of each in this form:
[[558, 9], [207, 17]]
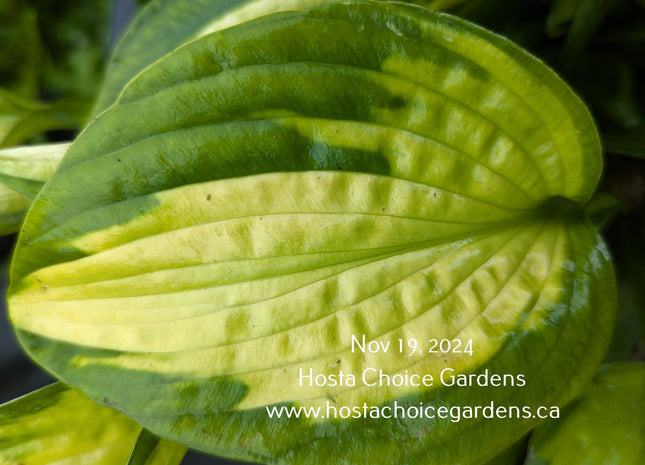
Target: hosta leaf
[[152, 450], [22, 52], [57, 425], [602, 208], [514, 455], [440, 5], [164, 25], [21, 119], [605, 426], [626, 142], [629, 329], [23, 172], [561, 13], [587, 19], [13, 207], [262, 195], [27, 168]]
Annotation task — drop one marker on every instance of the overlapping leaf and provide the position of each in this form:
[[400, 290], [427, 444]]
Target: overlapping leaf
[[261, 195], [23, 171], [58, 425], [604, 426], [152, 450]]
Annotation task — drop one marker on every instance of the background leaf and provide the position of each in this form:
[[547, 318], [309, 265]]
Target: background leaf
[[587, 19], [152, 450], [602, 427], [58, 425], [52, 52], [23, 171], [21, 120]]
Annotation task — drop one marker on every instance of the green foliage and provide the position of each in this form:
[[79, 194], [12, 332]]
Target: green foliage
[[249, 198], [53, 47], [598, 45], [22, 51], [57, 425], [52, 51], [166, 24], [338, 191], [604, 426], [21, 119], [23, 171], [152, 450]]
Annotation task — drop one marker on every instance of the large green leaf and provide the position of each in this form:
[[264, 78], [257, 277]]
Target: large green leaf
[[604, 427], [264, 195]]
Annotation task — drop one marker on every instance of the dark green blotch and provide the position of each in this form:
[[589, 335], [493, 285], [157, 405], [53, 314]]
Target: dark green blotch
[[396, 102]]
